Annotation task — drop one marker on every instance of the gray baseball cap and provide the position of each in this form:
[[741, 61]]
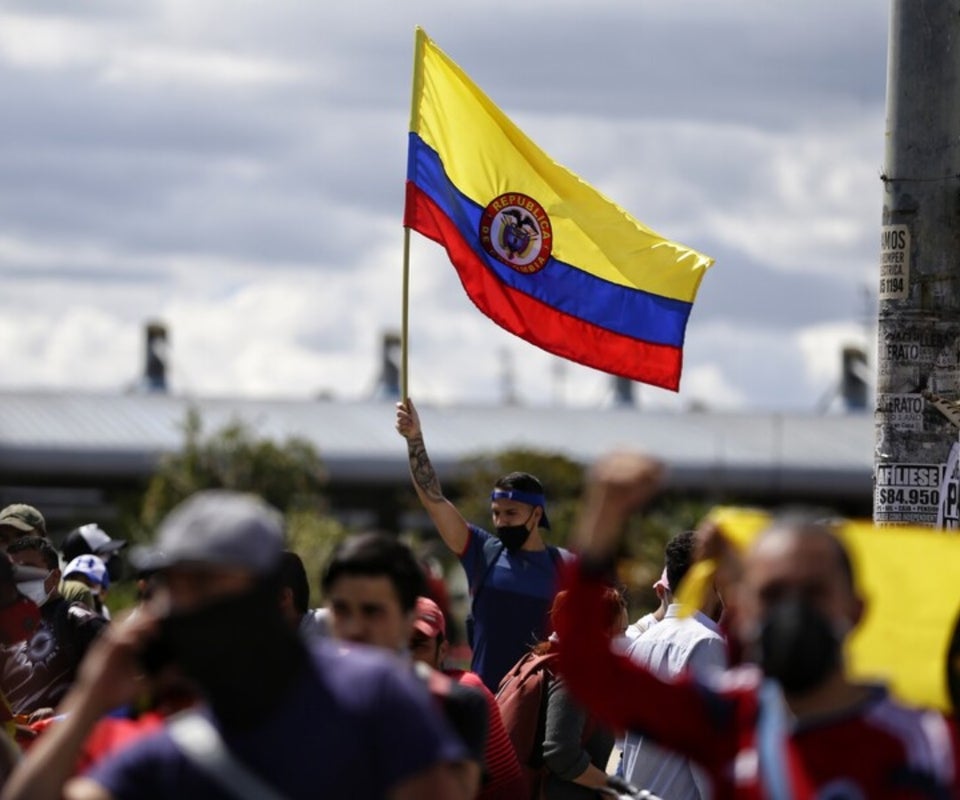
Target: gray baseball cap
[[217, 527]]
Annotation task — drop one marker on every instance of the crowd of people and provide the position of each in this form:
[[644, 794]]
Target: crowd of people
[[223, 682]]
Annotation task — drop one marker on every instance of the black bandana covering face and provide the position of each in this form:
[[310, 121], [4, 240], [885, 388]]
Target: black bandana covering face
[[231, 646]]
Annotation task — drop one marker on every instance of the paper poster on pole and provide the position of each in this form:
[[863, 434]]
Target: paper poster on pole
[[908, 493], [904, 412], [894, 262], [948, 510]]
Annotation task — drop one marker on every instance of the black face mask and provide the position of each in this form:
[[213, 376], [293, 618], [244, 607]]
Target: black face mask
[[798, 645], [514, 536], [239, 651]]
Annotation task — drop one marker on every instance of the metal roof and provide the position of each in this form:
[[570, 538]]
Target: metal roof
[[78, 433]]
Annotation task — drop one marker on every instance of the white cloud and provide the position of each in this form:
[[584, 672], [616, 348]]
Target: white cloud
[[706, 386], [192, 68], [46, 43], [814, 197], [821, 346], [243, 181], [86, 347], [128, 55]]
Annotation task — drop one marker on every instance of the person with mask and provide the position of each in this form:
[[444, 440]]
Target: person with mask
[[36, 673], [280, 720], [19, 615], [371, 584], [512, 576], [791, 724]]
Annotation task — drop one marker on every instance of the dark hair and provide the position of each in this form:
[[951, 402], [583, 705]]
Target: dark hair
[[374, 555], [522, 481], [679, 557], [50, 556], [293, 576], [75, 544], [811, 524]]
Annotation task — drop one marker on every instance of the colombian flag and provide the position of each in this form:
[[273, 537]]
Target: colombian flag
[[540, 252]]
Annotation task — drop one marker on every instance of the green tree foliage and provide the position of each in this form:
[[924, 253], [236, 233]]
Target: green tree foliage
[[289, 475], [313, 536]]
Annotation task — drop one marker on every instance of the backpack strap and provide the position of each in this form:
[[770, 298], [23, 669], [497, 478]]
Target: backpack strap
[[201, 744], [545, 664], [492, 548], [556, 556]]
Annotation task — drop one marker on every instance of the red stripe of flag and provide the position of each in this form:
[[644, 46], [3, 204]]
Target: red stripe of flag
[[554, 331]]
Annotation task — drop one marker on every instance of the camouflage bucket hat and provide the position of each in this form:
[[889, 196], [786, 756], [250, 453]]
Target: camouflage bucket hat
[[24, 518]]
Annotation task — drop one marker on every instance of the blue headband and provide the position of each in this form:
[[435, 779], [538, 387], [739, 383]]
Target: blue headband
[[530, 498]]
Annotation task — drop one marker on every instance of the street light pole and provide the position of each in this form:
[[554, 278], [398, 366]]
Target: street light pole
[[918, 363]]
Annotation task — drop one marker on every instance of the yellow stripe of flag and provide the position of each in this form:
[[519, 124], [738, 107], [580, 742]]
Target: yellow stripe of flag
[[482, 150]]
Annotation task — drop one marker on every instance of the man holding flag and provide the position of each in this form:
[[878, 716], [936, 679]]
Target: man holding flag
[[512, 576]]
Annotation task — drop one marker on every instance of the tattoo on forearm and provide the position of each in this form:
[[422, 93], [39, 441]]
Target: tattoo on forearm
[[422, 470]]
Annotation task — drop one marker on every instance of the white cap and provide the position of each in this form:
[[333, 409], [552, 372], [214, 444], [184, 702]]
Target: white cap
[[91, 567]]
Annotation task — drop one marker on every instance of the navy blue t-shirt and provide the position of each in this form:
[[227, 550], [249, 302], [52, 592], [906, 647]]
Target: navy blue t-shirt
[[510, 612], [354, 726]]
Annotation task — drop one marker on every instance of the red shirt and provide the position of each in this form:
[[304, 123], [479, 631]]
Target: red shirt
[[879, 749], [108, 735], [18, 621], [111, 733], [504, 781]]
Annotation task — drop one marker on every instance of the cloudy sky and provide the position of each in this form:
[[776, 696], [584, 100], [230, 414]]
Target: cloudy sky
[[235, 169]]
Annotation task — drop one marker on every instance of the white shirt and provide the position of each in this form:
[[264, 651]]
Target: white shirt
[[675, 645], [642, 625]]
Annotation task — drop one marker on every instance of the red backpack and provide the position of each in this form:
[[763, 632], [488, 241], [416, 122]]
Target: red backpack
[[522, 697]]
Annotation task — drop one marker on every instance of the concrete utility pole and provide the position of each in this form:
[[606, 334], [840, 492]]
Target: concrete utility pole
[[918, 364]]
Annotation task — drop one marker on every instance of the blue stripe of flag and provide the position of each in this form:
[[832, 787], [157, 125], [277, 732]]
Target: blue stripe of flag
[[621, 309]]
